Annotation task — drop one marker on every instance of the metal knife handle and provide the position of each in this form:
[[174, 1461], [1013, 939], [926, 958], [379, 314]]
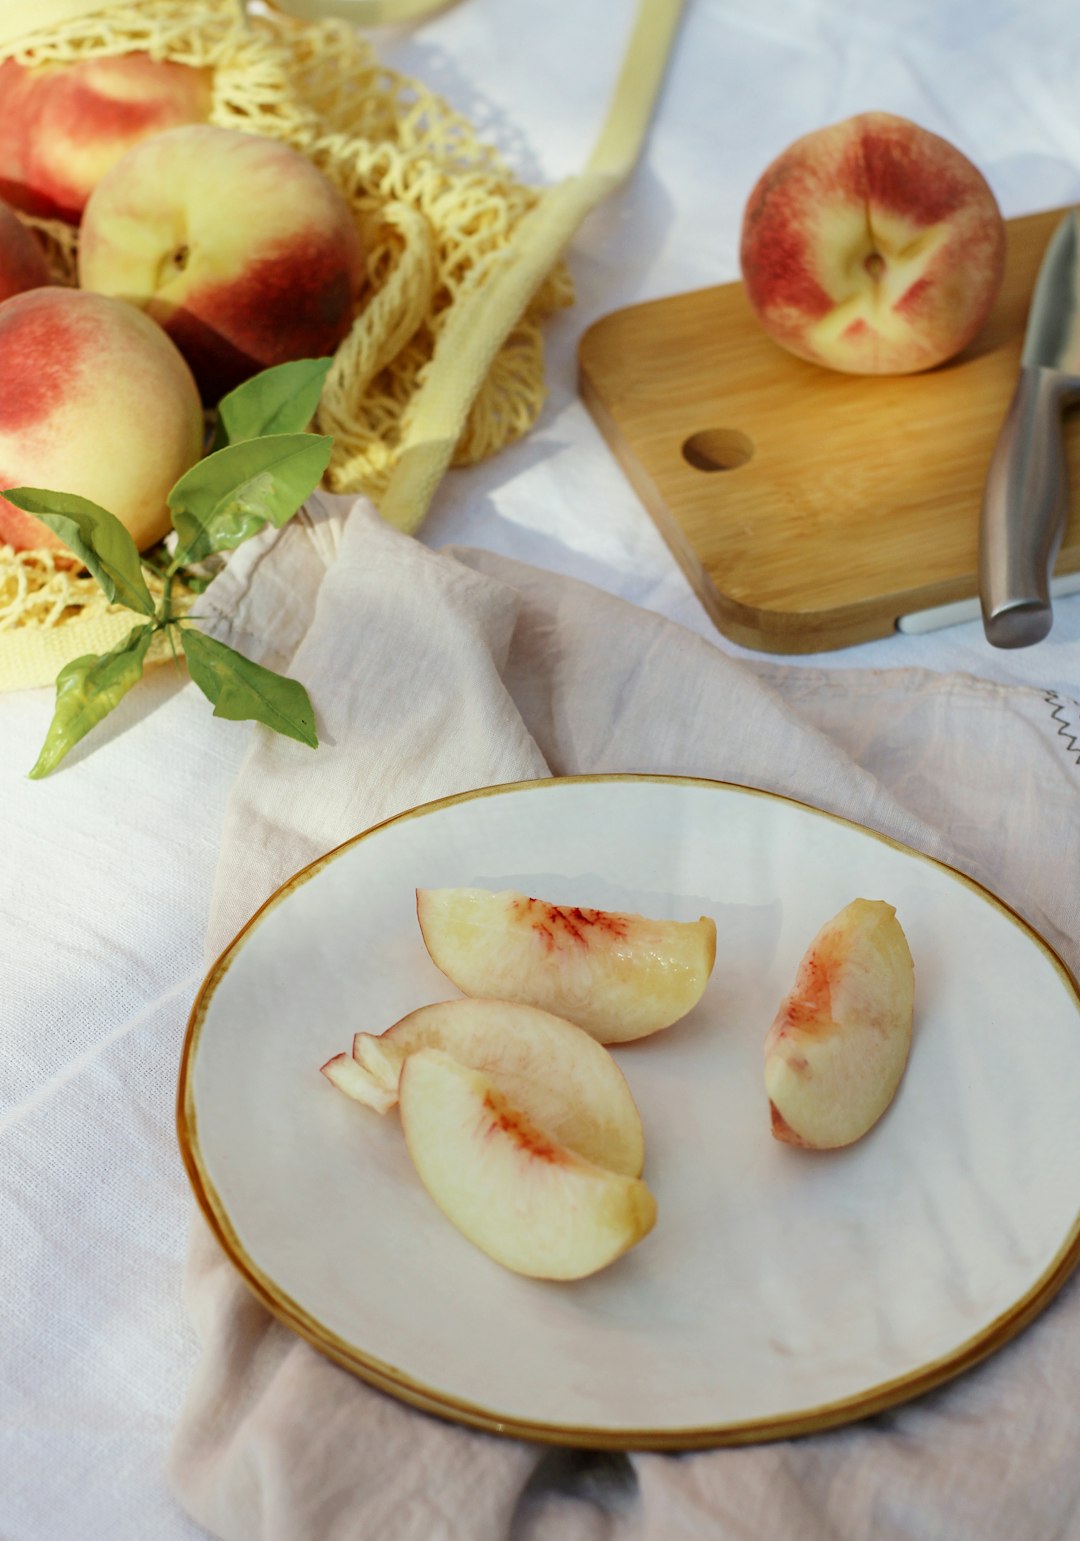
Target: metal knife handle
[[1024, 511]]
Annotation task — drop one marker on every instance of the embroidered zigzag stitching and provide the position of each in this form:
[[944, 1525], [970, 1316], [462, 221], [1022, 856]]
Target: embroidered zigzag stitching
[[1072, 743]]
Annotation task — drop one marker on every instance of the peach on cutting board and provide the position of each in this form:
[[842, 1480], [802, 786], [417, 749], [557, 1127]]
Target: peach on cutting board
[[552, 1071], [63, 125], [837, 1049], [536, 1206], [619, 976], [872, 246], [97, 401], [237, 245]]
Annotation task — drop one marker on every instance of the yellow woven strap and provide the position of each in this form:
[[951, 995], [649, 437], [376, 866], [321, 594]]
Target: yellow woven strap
[[18, 19], [482, 320], [365, 13], [34, 655]]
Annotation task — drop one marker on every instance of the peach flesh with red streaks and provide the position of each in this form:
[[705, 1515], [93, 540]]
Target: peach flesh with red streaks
[[63, 125], [503, 1119], [838, 1047], [872, 247], [530, 1203], [122, 447], [619, 976], [553, 1072], [237, 245]]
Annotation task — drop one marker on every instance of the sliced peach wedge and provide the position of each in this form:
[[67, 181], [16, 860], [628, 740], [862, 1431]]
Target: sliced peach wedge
[[536, 1206], [553, 1072], [358, 1083], [618, 976], [837, 1048]]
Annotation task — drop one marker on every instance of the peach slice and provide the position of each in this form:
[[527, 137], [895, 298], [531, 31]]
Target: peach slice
[[618, 976], [531, 1203], [837, 1049], [344, 1073], [552, 1071]]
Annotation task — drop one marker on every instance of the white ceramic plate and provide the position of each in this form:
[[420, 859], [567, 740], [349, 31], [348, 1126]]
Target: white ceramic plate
[[781, 1290]]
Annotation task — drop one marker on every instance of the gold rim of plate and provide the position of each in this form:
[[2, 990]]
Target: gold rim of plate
[[386, 1377]]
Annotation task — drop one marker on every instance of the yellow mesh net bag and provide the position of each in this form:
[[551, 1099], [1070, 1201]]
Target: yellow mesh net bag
[[436, 206], [444, 362]]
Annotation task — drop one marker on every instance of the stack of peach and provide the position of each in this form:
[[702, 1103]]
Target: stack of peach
[[205, 255]]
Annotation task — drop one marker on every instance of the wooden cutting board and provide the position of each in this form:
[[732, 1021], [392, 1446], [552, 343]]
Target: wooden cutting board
[[810, 509]]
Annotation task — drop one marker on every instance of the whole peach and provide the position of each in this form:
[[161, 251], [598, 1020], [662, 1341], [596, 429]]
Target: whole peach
[[872, 246], [63, 125], [22, 261], [96, 401], [236, 244]]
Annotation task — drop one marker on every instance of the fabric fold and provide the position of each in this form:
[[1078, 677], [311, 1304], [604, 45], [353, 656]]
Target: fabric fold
[[434, 673]]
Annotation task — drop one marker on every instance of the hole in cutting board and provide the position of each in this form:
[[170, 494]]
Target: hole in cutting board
[[717, 449]]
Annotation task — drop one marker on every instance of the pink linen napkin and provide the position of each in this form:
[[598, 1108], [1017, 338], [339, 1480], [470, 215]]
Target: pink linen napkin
[[437, 673]]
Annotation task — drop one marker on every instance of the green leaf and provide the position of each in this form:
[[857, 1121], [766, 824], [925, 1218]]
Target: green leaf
[[244, 691], [279, 400], [229, 496], [96, 537], [87, 689]]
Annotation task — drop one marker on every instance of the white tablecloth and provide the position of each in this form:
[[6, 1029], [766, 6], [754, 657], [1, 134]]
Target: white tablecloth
[[108, 865]]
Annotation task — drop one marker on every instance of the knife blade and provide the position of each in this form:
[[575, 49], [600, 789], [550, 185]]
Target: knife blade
[[1026, 498]]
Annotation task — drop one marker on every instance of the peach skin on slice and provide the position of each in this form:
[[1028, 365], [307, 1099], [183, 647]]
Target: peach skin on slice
[[550, 1069], [352, 1079], [618, 976], [532, 1204], [837, 1049]]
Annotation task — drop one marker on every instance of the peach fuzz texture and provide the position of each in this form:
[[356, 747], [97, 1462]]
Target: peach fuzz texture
[[874, 186], [97, 402], [22, 260], [237, 245], [63, 125]]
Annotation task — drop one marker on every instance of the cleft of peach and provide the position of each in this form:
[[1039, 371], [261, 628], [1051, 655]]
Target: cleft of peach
[[872, 246]]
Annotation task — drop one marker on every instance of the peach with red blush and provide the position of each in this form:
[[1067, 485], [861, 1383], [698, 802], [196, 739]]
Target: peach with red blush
[[63, 125], [872, 246], [237, 245], [98, 402]]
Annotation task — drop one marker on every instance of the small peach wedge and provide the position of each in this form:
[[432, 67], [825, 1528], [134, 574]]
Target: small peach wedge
[[839, 1043], [534, 1205], [351, 1078], [618, 976]]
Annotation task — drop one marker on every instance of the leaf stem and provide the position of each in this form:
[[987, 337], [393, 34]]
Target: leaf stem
[[154, 567], [169, 628]]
